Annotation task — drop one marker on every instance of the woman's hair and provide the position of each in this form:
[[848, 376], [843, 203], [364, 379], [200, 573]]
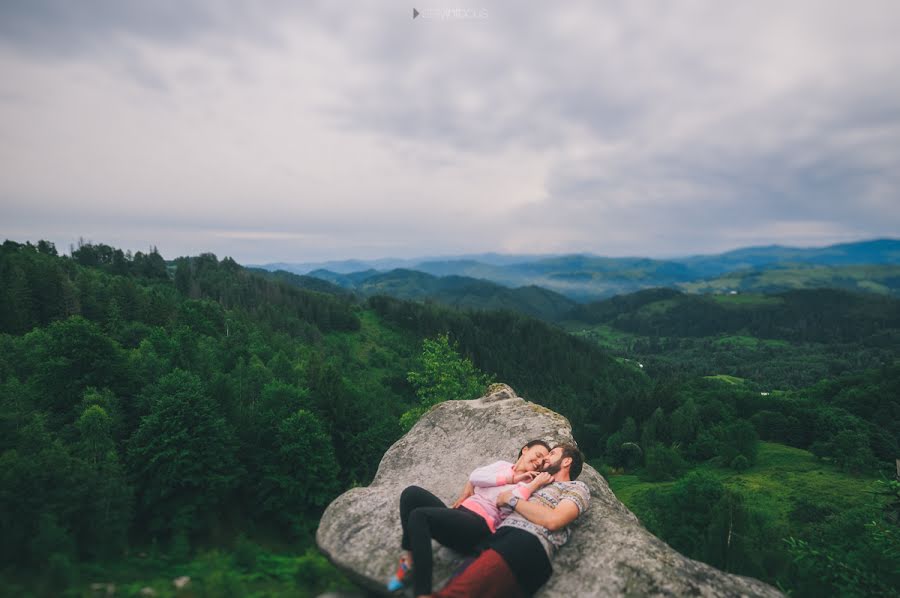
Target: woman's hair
[[532, 443]]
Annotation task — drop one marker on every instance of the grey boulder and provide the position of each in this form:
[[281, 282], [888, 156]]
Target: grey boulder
[[610, 552]]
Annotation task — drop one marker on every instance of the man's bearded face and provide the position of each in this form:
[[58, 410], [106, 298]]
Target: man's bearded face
[[554, 462]]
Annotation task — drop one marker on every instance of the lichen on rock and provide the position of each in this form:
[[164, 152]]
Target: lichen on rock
[[610, 553]]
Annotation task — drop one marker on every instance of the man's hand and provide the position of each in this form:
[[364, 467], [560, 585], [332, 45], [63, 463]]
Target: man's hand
[[503, 498], [524, 477]]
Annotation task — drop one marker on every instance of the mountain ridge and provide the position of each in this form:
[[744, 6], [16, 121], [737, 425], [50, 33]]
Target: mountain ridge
[[892, 246], [584, 277]]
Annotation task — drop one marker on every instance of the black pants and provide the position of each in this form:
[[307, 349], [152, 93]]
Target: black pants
[[425, 517], [525, 555]]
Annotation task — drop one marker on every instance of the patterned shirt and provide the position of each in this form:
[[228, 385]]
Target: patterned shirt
[[550, 496]]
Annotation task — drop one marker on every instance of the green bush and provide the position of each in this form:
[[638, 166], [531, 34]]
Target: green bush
[[223, 583], [180, 547], [61, 572], [869, 570], [444, 375], [50, 541], [738, 438], [806, 511], [740, 463], [316, 575], [601, 467], [663, 463], [410, 417], [246, 553]]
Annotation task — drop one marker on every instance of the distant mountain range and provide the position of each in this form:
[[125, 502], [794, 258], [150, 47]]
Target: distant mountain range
[[546, 286], [384, 264]]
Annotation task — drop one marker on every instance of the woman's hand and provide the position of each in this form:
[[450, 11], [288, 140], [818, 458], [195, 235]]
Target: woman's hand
[[524, 477], [540, 480]]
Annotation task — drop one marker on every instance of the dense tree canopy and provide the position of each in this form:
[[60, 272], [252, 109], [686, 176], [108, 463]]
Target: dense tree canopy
[[172, 405]]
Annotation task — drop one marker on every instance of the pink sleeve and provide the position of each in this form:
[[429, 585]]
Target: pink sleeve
[[495, 474], [523, 491]]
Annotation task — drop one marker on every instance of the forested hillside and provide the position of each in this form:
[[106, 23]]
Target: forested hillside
[[822, 315], [183, 406], [194, 417], [735, 374], [461, 292], [786, 340]]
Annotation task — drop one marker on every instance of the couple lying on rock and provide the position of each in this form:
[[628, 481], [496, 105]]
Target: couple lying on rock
[[515, 515]]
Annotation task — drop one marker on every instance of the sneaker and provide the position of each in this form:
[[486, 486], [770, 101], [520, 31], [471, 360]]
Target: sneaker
[[401, 577]]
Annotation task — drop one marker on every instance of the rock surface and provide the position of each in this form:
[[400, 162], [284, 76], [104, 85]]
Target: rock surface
[[610, 553]]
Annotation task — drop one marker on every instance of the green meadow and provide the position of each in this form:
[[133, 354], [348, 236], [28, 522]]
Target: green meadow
[[782, 478]]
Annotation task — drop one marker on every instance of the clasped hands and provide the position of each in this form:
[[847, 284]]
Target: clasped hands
[[539, 480]]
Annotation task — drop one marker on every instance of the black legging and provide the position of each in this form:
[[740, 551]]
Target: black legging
[[425, 517], [525, 556]]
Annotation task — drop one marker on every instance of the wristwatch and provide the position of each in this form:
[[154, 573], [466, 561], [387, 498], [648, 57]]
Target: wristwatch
[[513, 501]]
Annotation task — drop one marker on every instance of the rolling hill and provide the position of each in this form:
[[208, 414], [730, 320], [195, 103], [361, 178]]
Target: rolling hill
[[454, 291], [822, 315], [883, 279], [871, 266]]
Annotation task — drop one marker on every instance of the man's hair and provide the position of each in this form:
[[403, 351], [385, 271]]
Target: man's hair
[[532, 443], [570, 450]]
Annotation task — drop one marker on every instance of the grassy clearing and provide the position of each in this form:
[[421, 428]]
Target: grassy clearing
[[746, 300], [733, 380], [781, 477], [364, 343], [657, 307], [785, 475], [606, 336], [872, 278], [372, 355], [749, 342]]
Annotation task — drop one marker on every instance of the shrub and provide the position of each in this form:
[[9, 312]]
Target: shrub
[[740, 463], [601, 467], [180, 547], [61, 573], [806, 511], [245, 553], [663, 463], [444, 375], [316, 575], [738, 438], [217, 579]]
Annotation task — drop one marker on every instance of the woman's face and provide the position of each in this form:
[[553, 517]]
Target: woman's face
[[534, 457]]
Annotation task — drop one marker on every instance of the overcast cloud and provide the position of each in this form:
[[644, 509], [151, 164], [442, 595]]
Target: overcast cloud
[[299, 131]]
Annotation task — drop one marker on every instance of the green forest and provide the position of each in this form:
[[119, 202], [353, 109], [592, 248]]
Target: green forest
[[194, 417]]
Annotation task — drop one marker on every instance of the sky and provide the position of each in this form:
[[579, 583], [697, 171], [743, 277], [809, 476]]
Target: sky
[[294, 131]]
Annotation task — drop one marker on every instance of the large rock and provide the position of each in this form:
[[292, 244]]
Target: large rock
[[610, 553]]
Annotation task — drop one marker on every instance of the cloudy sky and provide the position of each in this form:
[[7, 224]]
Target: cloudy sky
[[299, 131]]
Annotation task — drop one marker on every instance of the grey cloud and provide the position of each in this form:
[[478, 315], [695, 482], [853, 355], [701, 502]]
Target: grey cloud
[[680, 122], [56, 28], [61, 28], [615, 89], [110, 31]]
